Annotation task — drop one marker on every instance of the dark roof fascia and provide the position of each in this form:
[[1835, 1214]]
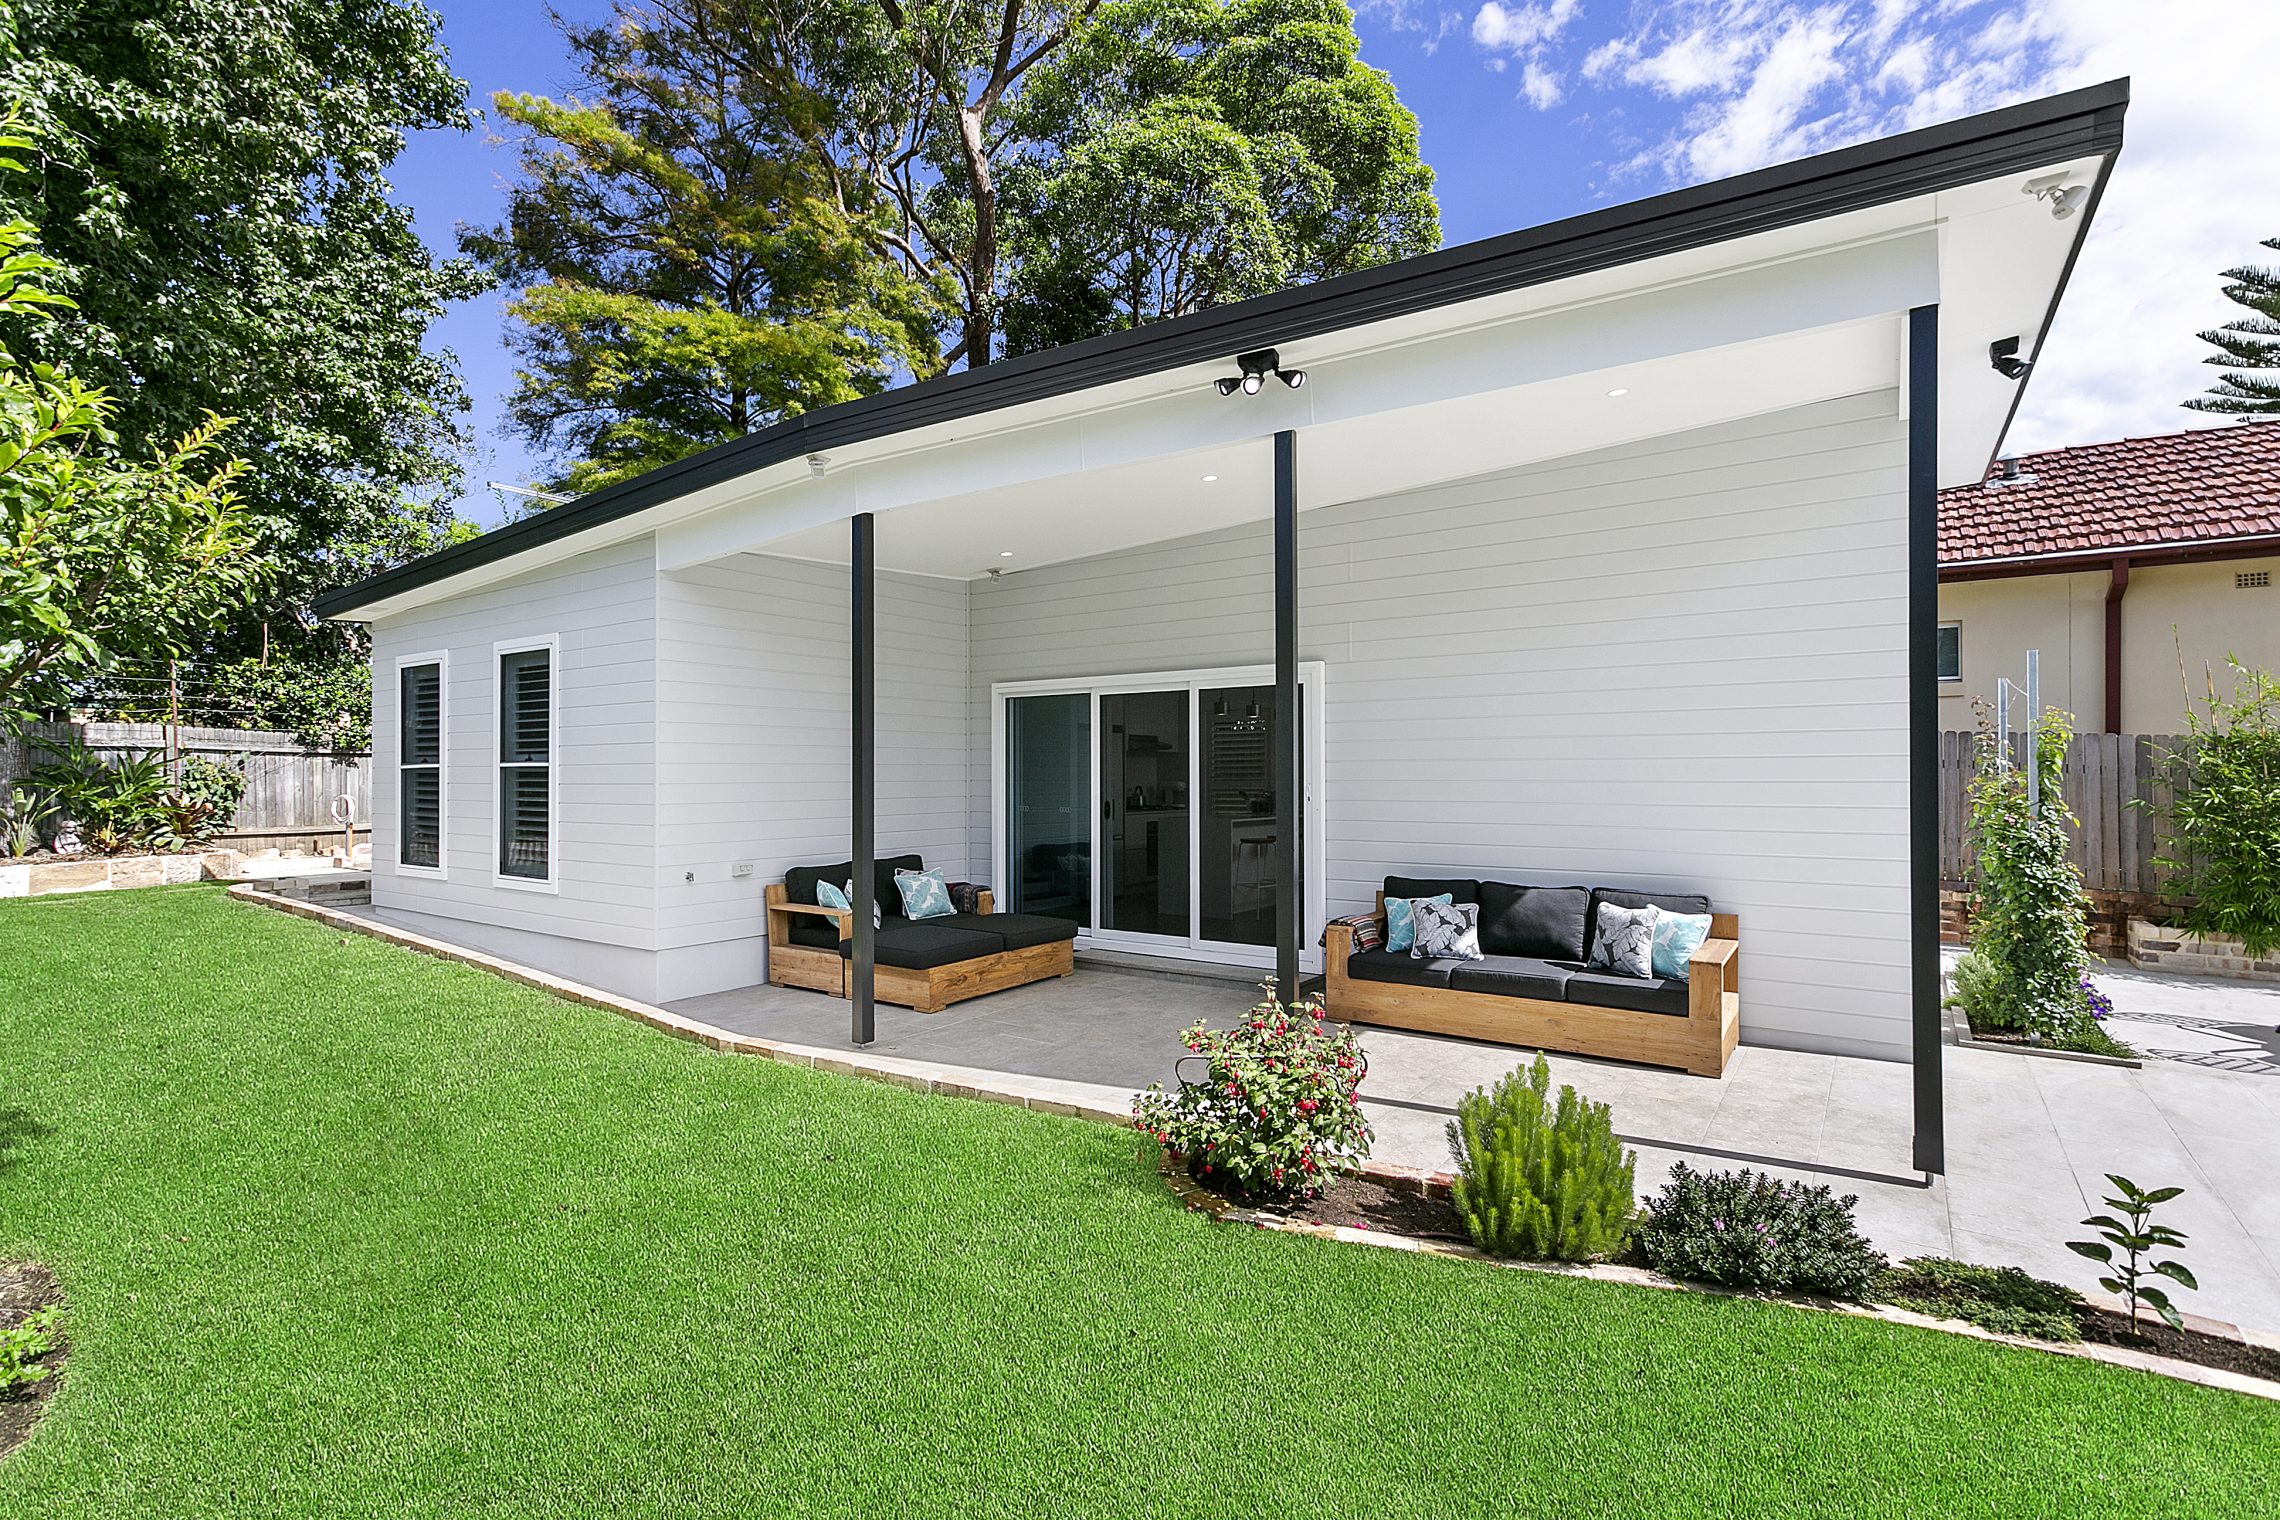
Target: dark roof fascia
[[2077, 124], [2074, 561]]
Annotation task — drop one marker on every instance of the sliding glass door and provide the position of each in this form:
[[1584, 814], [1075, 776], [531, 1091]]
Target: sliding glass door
[[1142, 808]]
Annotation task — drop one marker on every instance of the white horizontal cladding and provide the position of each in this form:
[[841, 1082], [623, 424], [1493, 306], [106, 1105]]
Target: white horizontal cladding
[[600, 607], [1678, 665], [1695, 320], [754, 743]]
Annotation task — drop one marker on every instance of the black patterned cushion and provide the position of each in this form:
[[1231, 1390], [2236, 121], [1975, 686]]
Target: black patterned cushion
[[1625, 944], [1449, 931]]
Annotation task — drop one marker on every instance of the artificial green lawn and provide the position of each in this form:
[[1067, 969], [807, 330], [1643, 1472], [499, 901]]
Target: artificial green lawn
[[345, 1231]]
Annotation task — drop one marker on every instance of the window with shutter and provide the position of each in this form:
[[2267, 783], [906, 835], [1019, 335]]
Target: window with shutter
[[419, 763], [526, 764]]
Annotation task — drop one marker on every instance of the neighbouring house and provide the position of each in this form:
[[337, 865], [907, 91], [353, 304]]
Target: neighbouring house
[[1597, 552], [2118, 562]]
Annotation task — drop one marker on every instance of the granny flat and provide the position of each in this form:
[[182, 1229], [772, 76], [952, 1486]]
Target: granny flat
[[1598, 552]]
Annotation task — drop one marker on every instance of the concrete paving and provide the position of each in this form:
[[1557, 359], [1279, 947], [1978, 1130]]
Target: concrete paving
[[2029, 1138]]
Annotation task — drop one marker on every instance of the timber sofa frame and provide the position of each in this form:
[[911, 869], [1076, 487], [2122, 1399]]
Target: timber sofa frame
[[929, 990], [1700, 1042]]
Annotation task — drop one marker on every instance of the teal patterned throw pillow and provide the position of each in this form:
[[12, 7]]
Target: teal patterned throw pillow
[[925, 894], [1677, 937], [829, 896], [1401, 920]]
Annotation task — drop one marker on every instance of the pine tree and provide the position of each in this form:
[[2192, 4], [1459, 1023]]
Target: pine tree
[[2246, 345]]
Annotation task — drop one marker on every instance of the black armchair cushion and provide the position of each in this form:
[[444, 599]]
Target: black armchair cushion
[[890, 895], [1512, 976], [1401, 967], [814, 931], [924, 946], [799, 881], [1669, 902], [1459, 889], [1546, 923], [1640, 994], [1019, 931]]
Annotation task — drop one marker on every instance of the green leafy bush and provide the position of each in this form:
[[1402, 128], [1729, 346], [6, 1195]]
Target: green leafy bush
[[23, 821], [22, 1346], [323, 698], [137, 801], [2221, 835], [1751, 1230], [2032, 929], [2003, 1299], [1275, 1113], [1538, 1179]]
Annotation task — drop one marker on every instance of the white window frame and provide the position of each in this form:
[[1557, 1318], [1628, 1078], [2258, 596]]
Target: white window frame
[[552, 881], [1313, 678], [1957, 625], [441, 660]]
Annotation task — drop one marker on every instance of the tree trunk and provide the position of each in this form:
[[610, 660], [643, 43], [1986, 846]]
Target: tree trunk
[[981, 333]]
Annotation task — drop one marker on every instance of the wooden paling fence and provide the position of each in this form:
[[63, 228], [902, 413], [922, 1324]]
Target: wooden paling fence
[[289, 792], [2114, 842]]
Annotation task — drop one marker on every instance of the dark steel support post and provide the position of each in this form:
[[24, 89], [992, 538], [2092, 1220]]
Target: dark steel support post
[[1924, 732], [1290, 802], [862, 776], [2116, 588]]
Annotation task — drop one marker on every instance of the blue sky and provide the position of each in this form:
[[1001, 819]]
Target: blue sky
[[1531, 110]]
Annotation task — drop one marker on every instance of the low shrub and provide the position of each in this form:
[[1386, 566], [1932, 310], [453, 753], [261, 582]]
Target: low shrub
[[2003, 1299], [1276, 1113], [22, 1346], [2221, 832], [1539, 1179], [1751, 1230]]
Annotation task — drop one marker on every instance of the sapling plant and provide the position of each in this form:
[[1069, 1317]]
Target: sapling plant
[[2135, 1242]]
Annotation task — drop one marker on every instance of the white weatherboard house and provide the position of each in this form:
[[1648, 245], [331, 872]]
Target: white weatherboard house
[[1599, 552]]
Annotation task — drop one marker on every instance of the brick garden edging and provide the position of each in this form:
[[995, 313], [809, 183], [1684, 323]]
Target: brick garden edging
[[1401, 1178], [113, 873], [2154, 948]]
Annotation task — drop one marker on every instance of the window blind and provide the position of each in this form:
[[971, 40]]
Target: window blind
[[526, 777], [419, 691]]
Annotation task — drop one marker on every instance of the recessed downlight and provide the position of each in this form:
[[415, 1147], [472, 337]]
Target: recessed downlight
[[1208, 479], [1005, 554], [1620, 390]]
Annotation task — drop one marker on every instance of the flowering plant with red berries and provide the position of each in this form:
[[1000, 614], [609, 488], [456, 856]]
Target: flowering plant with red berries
[[1275, 1111]]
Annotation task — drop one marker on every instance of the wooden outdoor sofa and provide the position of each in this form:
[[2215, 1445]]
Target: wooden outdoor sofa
[[1518, 995], [925, 965]]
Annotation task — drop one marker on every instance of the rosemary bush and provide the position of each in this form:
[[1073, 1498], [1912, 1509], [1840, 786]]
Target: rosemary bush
[[2221, 835], [1540, 1179]]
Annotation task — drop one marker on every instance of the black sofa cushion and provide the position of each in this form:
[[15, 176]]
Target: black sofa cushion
[[924, 946], [1402, 967], [1640, 994], [1544, 923], [814, 931], [1459, 889], [890, 895], [1017, 931], [1623, 897], [1512, 976], [799, 881]]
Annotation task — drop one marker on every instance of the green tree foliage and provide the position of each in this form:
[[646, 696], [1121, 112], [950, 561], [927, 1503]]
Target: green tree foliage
[[214, 189], [101, 558], [687, 275], [1541, 1179], [2222, 833], [761, 208], [1202, 151], [2031, 929], [2248, 348]]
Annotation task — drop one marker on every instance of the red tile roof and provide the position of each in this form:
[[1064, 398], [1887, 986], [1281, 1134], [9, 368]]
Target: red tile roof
[[2108, 498]]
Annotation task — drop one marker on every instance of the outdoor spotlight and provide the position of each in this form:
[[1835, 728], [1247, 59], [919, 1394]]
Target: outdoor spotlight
[[2053, 190], [2003, 353], [1256, 366]]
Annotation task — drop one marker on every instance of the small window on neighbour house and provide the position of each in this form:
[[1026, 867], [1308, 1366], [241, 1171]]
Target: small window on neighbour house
[[419, 764], [1951, 651], [526, 764]]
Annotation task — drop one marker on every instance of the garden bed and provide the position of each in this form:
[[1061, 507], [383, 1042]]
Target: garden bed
[[1414, 1211], [25, 1289], [39, 875], [2019, 1043]]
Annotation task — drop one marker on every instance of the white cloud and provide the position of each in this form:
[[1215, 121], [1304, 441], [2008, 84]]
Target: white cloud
[[1754, 82], [1518, 28], [1541, 86]]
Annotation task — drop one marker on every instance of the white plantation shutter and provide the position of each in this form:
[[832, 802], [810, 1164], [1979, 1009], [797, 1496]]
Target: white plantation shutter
[[419, 765], [526, 770]]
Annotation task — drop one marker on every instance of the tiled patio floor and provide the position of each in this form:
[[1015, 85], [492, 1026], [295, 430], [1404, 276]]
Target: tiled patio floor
[[2029, 1139]]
